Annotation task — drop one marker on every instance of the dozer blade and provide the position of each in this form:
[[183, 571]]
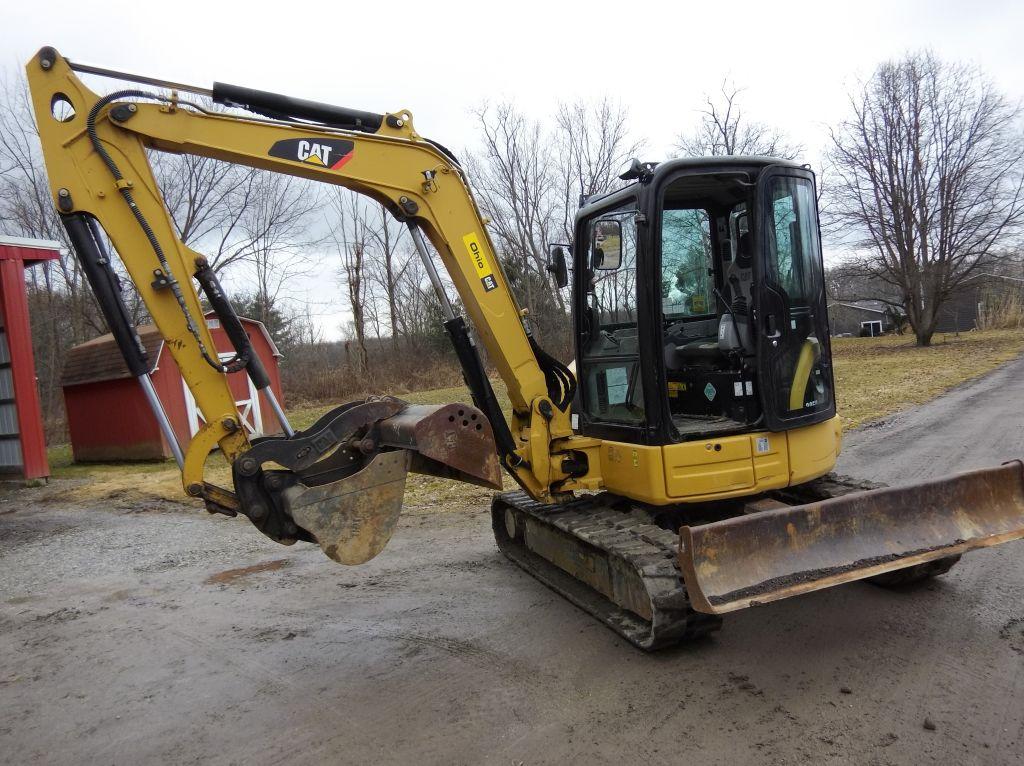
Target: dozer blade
[[775, 554]]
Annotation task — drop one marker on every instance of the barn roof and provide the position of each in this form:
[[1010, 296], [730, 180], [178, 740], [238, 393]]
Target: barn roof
[[259, 325], [100, 359]]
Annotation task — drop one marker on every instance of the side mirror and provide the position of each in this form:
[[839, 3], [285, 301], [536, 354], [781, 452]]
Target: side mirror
[[606, 244], [556, 265]]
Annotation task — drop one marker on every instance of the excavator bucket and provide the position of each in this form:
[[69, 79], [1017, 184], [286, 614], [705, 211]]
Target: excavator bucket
[[344, 476], [778, 553], [354, 517]]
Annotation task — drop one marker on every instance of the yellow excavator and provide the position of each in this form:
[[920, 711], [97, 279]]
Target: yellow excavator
[[680, 469]]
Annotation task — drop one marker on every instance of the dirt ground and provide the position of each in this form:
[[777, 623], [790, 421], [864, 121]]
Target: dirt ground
[[137, 633]]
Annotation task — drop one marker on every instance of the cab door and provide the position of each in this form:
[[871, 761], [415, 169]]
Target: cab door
[[609, 308], [794, 355]]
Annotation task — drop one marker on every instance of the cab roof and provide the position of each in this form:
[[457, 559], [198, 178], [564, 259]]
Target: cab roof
[[717, 164]]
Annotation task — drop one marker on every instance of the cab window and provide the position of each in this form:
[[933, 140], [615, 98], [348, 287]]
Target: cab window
[[799, 356], [610, 358]]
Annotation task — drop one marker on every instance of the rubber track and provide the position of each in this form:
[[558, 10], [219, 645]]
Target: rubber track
[[627, 542], [828, 486]]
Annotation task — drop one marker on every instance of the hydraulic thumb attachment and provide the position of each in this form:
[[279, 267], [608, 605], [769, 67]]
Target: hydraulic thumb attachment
[[340, 482]]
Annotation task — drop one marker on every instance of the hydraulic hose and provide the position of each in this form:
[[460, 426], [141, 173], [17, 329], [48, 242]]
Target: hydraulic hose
[[238, 361]]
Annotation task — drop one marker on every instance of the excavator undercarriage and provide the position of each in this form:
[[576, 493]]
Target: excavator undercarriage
[[656, 583]]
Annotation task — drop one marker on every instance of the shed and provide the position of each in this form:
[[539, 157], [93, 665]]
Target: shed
[[109, 418], [22, 444]]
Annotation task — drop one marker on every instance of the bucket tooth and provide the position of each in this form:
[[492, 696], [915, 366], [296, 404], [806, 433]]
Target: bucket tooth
[[775, 554]]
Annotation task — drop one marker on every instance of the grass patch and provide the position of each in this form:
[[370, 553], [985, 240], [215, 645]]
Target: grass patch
[[875, 377]]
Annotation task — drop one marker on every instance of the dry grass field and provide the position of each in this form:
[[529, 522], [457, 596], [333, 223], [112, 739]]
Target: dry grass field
[[875, 377]]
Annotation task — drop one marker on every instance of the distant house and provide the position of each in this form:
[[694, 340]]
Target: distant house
[[980, 293], [861, 318], [974, 302]]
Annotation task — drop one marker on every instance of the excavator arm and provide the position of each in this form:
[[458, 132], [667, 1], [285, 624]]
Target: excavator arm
[[96, 151]]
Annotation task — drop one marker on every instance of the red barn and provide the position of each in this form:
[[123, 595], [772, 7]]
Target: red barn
[[22, 445], [108, 416]]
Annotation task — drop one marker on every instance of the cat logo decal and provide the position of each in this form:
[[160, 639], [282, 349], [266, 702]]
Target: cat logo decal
[[321, 152]]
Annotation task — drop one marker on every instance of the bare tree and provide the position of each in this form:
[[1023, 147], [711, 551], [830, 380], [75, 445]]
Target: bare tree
[[927, 178], [852, 281], [63, 311], [530, 182], [277, 227], [26, 204], [414, 298], [221, 208], [209, 201], [515, 180], [390, 261], [352, 237], [594, 143], [725, 130]]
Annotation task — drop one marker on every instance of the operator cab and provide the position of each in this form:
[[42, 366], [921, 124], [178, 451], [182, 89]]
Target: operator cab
[[700, 302]]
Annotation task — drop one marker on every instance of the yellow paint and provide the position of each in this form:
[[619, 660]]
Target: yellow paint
[[809, 354], [477, 255], [709, 467], [632, 470], [813, 450], [697, 471], [386, 166]]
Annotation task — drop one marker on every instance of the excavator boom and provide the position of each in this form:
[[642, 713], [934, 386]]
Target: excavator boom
[[96, 154]]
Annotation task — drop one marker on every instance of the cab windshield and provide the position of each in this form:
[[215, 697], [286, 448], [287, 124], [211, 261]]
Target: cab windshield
[[687, 278]]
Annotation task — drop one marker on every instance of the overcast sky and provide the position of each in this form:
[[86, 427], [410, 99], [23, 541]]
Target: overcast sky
[[796, 61]]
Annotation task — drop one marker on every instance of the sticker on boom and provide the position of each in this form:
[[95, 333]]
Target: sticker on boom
[[483, 268], [320, 152]]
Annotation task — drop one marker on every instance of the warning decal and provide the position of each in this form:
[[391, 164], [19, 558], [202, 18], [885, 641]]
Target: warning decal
[[483, 268]]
